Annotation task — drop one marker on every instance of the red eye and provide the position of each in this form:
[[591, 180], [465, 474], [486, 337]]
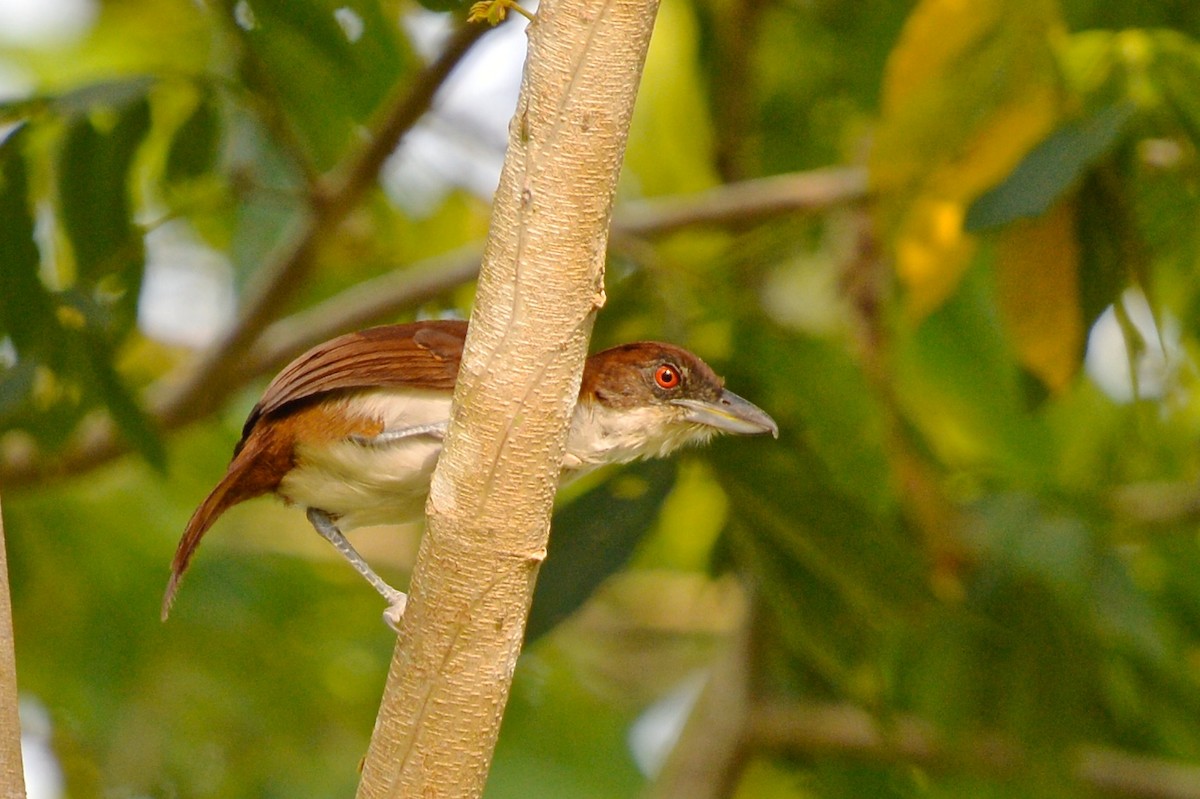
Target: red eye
[[666, 376]]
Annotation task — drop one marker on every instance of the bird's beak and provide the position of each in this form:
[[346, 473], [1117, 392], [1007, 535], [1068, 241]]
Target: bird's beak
[[730, 414]]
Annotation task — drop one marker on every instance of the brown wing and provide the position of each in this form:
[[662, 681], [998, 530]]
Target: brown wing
[[419, 354], [422, 354]]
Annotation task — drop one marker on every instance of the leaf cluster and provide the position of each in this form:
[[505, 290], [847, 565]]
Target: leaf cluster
[[974, 542]]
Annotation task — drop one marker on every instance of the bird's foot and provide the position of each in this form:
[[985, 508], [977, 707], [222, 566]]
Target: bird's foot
[[397, 602]]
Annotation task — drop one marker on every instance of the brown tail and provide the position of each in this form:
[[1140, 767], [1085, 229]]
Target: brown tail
[[249, 475]]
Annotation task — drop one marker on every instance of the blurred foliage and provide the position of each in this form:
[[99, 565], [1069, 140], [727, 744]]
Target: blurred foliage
[[959, 523]]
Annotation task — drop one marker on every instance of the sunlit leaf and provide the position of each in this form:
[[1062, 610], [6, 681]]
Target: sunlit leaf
[[969, 90], [130, 418], [1037, 291], [963, 389]]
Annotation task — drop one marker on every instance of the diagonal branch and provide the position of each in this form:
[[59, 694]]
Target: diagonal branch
[[745, 202], [824, 730], [400, 291], [209, 380]]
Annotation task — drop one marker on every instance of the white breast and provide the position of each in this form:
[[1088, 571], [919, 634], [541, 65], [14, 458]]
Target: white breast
[[364, 484], [601, 435]]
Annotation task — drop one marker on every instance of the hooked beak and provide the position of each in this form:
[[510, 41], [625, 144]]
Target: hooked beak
[[730, 414]]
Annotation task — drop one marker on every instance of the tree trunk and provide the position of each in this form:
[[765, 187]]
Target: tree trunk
[[12, 776], [490, 503]]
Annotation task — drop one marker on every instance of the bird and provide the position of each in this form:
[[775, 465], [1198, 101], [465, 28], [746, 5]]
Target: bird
[[352, 429]]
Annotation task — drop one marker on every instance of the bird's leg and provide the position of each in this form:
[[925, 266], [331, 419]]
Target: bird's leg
[[434, 430], [324, 524]]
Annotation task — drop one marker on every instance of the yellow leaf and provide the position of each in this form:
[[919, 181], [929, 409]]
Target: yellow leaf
[[1037, 290], [970, 89], [931, 252]]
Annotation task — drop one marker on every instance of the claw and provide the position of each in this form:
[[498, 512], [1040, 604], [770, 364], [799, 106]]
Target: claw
[[395, 611]]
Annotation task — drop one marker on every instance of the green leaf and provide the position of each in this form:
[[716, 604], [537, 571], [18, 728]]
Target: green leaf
[[593, 537], [74, 103], [25, 307], [1111, 251], [328, 63], [94, 189], [1049, 170], [446, 5], [196, 144], [128, 415]]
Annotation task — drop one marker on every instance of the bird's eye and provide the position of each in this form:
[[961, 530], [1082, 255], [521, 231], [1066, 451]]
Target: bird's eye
[[667, 376]]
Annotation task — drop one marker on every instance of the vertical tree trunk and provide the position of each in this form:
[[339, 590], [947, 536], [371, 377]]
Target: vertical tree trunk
[[12, 776], [490, 503]]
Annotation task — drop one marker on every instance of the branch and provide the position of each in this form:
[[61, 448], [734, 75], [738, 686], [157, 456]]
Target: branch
[[209, 379], [382, 299], [368, 303], [847, 731], [179, 400], [748, 201], [1157, 505], [708, 756], [492, 491], [12, 776], [400, 291]]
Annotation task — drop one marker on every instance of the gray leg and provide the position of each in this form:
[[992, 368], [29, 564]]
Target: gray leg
[[434, 430], [324, 524]]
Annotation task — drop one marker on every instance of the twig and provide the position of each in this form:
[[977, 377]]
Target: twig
[[1157, 504], [209, 379], [747, 201], [370, 302], [12, 777], [735, 34], [708, 756], [400, 291], [848, 731]]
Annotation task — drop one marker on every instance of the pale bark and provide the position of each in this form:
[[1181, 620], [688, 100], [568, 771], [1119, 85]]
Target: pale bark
[[490, 503], [12, 777]]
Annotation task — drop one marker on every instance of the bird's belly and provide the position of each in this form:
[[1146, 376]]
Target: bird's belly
[[363, 484]]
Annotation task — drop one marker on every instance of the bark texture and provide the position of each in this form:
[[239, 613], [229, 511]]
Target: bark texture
[[12, 776], [489, 509]]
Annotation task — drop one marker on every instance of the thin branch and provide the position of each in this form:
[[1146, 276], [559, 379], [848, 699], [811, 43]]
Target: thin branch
[[12, 776], [748, 201], [735, 31], [708, 756], [208, 380], [383, 299], [368, 303], [1157, 505], [850, 732]]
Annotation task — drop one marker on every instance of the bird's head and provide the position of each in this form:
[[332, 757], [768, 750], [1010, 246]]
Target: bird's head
[[646, 399]]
